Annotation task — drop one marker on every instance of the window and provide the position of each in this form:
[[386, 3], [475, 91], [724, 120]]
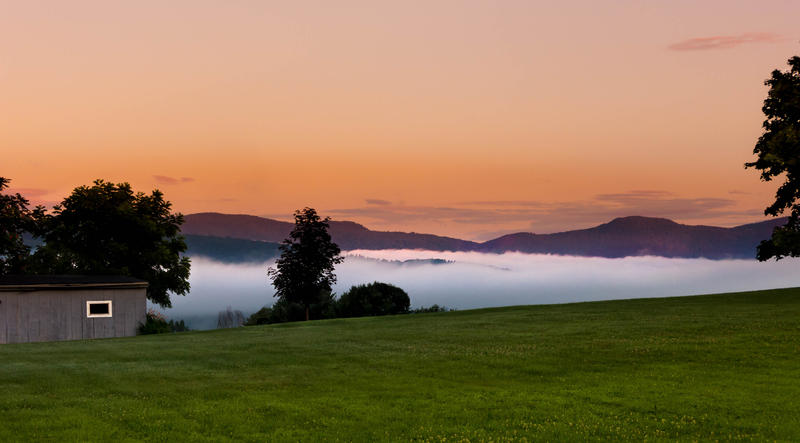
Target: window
[[98, 308]]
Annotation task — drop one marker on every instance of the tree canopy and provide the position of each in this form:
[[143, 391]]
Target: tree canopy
[[106, 228], [778, 154], [304, 272], [16, 219]]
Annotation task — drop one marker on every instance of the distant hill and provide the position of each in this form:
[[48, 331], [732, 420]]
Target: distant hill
[[632, 236], [348, 235], [230, 250], [622, 237], [249, 227]]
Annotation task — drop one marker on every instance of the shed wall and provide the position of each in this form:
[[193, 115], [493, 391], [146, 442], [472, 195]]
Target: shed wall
[[50, 315]]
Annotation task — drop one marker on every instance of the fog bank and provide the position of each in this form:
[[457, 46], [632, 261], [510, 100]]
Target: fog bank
[[475, 280]]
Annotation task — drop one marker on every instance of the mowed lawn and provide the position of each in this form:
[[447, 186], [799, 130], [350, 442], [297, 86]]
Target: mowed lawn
[[721, 367]]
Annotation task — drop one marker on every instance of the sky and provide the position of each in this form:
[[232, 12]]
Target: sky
[[462, 118]]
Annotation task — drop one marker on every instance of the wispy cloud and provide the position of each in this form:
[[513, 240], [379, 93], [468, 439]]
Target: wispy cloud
[[375, 201], [532, 203], [37, 196], [637, 194], [167, 180], [29, 192], [406, 214], [724, 41], [491, 217]]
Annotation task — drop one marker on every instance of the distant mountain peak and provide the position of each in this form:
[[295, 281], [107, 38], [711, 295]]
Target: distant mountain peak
[[637, 221], [349, 225]]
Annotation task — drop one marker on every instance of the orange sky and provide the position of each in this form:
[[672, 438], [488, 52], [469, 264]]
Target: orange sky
[[464, 118]]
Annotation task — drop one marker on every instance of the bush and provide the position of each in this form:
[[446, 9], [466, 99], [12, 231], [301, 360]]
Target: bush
[[283, 311], [179, 326], [359, 301], [156, 323], [433, 308], [373, 299], [261, 317]]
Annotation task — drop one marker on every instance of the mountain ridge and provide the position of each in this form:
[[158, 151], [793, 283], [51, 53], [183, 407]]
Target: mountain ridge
[[347, 234], [620, 237]]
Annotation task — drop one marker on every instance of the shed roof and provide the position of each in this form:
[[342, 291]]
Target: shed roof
[[38, 282]]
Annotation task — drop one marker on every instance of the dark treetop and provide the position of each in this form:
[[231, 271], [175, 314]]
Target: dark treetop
[[15, 220], [304, 271], [778, 153], [107, 229]]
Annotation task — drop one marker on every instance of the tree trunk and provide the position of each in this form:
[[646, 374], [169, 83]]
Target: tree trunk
[[306, 312]]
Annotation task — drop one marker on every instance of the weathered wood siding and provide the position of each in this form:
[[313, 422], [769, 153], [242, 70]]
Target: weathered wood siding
[[50, 315], [3, 322]]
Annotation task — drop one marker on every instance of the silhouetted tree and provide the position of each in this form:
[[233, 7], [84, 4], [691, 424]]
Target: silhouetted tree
[[373, 299], [778, 152], [106, 228], [303, 274], [16, 219]]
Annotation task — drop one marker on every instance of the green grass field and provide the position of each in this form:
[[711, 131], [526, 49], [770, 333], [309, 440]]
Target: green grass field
[[709, 367]]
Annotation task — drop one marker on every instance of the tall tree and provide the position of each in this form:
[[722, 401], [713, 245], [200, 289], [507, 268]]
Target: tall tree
[[304, 272], [106, 228], [16, 219], [778, 154]]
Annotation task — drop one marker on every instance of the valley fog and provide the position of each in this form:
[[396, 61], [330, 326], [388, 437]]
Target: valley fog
[[467, 280]]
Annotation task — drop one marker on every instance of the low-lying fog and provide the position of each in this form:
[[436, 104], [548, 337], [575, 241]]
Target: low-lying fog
[[475, 280]]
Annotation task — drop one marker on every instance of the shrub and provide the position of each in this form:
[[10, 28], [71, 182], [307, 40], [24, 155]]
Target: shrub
[[179, 326], [261, 317], [155, 323], [433, 308], [359, 301], [284, 311], [373, 299]]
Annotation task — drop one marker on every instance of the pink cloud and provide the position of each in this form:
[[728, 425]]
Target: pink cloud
[[724, 41], [166, 180], [489, 216], [35, 196], [29, 192]]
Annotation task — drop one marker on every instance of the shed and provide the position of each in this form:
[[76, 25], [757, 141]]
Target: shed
[[70, 307]]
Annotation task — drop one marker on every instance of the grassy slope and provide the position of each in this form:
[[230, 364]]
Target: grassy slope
[[719, 366]]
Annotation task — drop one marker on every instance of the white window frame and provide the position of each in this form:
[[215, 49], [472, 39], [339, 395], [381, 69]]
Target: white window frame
[[98, 302]]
